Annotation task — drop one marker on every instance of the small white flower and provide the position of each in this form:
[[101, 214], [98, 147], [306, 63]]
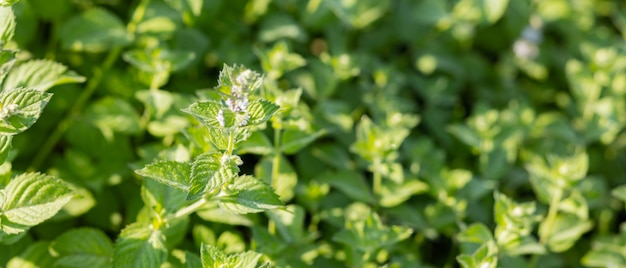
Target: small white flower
[[225, 159], [220, 118], [244, 122], [8, 111]]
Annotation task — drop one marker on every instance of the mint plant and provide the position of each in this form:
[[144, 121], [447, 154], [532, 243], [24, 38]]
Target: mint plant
[[26, 199], [227, 118], [374, 134]]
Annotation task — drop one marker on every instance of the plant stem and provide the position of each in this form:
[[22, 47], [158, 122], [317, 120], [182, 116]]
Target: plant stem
[[551, 217], [277, 154], [378, 180], [188, 209], [85, 95], [74, 111]]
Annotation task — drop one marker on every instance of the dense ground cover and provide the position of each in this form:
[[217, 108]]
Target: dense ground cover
[[320, 133]]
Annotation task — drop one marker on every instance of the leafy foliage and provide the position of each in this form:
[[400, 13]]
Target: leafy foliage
[[321, 133]]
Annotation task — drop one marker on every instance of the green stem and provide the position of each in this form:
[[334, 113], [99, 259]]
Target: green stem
[[86, 94], [74, 111], [551, 217], [193, 207], [277, 154], [378, 180]]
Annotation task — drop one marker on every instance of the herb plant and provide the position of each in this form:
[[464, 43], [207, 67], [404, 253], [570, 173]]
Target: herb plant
[[320, 133]]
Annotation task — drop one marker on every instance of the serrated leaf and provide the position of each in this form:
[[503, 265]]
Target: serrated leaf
[[5, 147], [40, 75], [213, 257], [294, 140], [250, 195], [171, 173], [30, 199], [237, 75], [260, 111], [29, 104], [207, 113], [7, 25], [7, 59], [209, 174], [139, 246], [83, 247], [95, 30]]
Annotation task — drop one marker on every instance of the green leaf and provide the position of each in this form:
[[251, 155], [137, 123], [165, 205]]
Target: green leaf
[[465, 134], [350, 183], [294, 140], [35, 256], [186, 259], [394, 194], [485, 256], [20, 109], [493, 9], [190, 9], [257, 143], [359, 14], [284, 182], [619, 192], [95, 30], [171, 173], [240, 77], [159, 60], [7, 24], [30, 199], [159, 21], [209, 174], [207, 113], [250, 195], [5, 147], [607, 251], [279, 60], [476, 233], [83, 247], [113, 115], [290, 223], [40, 75], [370, 234], [213, 257], [260, 111], [565, 231], [7, 59], [139, 246], [162, 198], [6, 3]]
